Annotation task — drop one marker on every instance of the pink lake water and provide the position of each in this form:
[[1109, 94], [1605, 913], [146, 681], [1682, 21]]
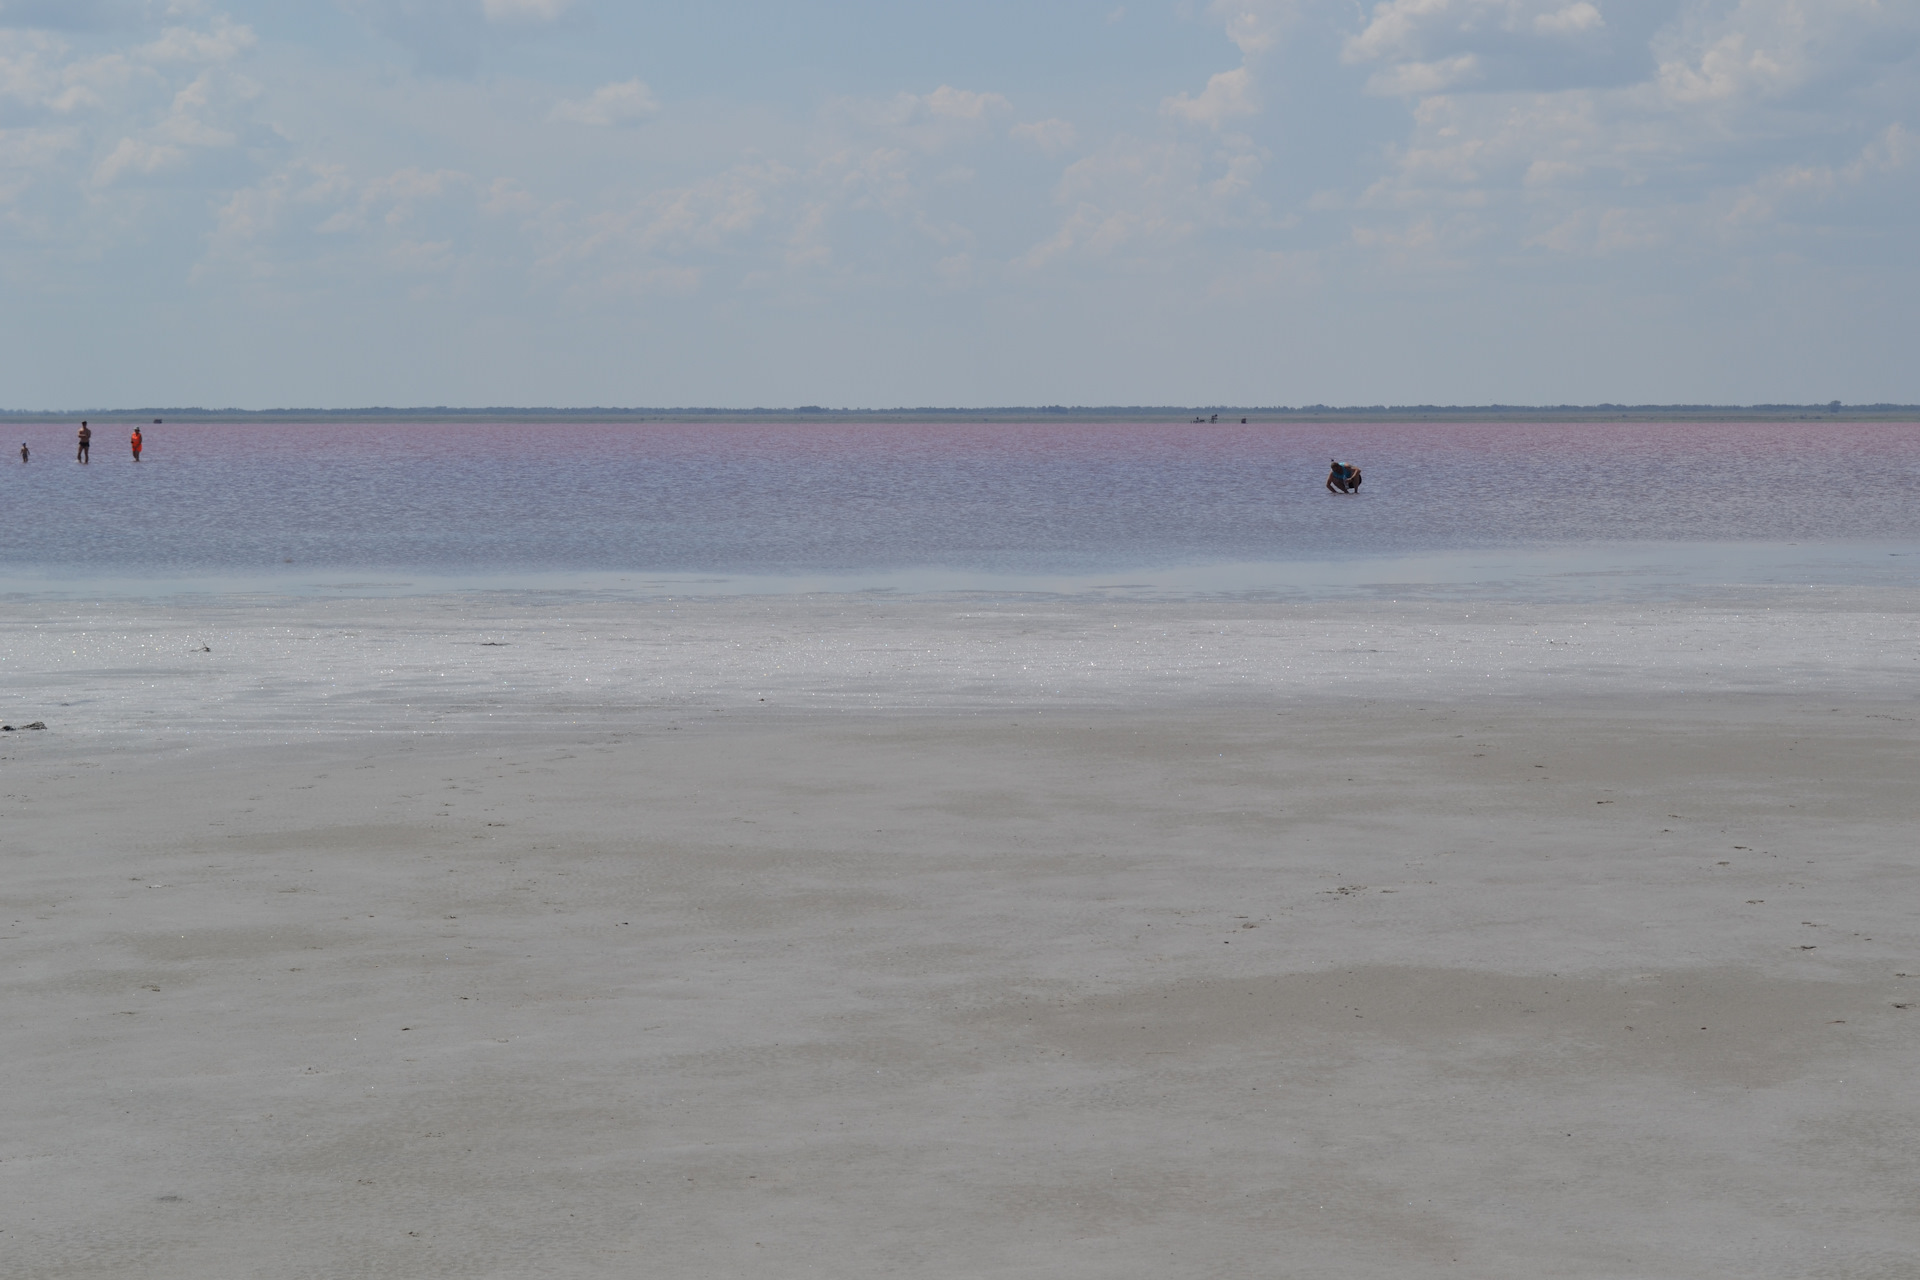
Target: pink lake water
[[1167, 506]]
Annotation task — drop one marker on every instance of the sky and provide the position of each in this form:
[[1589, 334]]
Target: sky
[[336, 203]]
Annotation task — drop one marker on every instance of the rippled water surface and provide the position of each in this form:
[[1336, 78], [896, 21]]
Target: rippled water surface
[[786, 498]]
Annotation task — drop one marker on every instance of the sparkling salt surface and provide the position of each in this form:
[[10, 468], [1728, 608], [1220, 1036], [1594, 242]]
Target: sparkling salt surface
[[826, 505], [290, 668]]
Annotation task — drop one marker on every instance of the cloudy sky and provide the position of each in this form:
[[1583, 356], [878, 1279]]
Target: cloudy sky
[[848, 202]]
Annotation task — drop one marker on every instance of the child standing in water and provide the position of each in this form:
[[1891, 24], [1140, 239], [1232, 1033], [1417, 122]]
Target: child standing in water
[[136, 444], [86, 440]]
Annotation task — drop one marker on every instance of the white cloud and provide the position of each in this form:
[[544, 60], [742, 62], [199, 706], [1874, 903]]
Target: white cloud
[[397, 198], [194, 119], [39, 70], [1394, 28], [1759, 48], [947, 117], [1602, 231], [610, 104], [504, 196], [25, 71], [320, 221], [1147, 197], [1095, 232], [1254, 25], [97, 103], [1758, 204], [1425, 77], [950, 103], [221, 42], [879, 184], [1419, 30], [638, 240], [1052, 136], [200, 118], [137, 156], [1644, 166], [1732, 66], [1573, 18], [256, 212], [524, 10], [1227, 95]]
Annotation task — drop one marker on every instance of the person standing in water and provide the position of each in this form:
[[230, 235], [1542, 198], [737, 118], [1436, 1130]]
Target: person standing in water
[[136, 444], [86, 441], [25, 453]]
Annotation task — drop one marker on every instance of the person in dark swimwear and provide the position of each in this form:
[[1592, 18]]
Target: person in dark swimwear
[[25, 453], [86, 442], [1343, 479], [136, 444]]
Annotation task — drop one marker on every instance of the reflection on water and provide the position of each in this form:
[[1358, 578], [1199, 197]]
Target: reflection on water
[[373, 507]]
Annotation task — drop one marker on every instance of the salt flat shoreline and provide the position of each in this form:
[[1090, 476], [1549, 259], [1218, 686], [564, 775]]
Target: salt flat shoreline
[[154, 675], [1442, 948]]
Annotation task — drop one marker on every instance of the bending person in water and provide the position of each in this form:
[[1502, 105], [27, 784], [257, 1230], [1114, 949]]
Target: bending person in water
[[86, 442], [1343, 479]]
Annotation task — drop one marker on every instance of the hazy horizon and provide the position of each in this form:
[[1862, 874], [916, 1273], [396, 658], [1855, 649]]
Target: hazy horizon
[[295, 412]]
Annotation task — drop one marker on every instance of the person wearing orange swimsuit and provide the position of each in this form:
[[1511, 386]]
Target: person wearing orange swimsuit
[[136, 444]]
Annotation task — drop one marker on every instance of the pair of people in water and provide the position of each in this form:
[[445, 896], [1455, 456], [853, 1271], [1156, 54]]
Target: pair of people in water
[[1343, 479], [86, 445]]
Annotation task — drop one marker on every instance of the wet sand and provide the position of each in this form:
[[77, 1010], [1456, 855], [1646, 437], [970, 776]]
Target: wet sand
[[1522, 987]]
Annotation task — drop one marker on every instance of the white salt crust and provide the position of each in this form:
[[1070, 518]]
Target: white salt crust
[[285, 668]]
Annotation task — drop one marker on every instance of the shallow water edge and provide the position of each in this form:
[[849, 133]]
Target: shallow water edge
[[1564, 573]]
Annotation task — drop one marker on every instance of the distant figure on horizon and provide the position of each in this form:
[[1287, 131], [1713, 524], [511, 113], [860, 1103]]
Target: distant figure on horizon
[[25, 453], [1343, 479], [86, 441], [136, 444]]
